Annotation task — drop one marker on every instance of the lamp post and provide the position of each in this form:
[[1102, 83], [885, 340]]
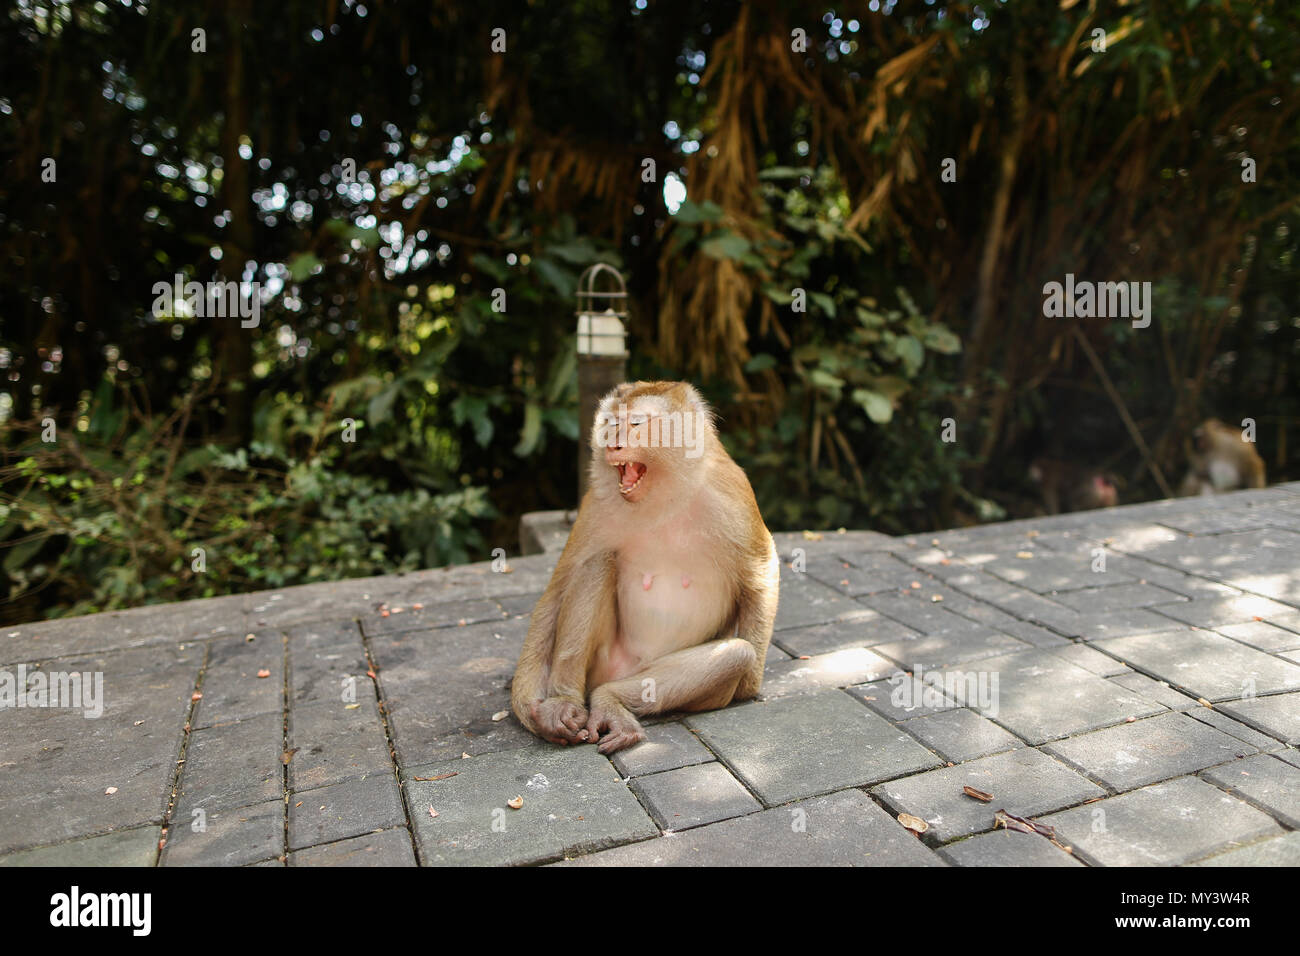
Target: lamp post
[[602, 352]]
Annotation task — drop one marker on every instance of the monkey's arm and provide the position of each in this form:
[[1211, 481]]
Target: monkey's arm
[[578, 607]]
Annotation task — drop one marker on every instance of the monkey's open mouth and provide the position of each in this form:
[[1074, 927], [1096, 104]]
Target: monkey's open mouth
[[630, 474]]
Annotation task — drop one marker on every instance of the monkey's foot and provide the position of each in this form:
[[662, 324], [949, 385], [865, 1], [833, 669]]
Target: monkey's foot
[[612, 726], [560, 720]]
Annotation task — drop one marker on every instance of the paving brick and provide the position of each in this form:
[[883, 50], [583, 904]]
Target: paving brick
[[1117, 597], [854, 665], [232, 689], [385, 848], [227, 838], [903, 696], [1225, 612], [694, 796], [804, 746], [1041, 696], [842, 829], [1024, 782], [1165, 824], [864, 628], [1262, 635], [344, 810], [1152, 690], [959, 735], [856, 573], [233, 765], [137, 847], [1275, 851], [327, 662], [1045, 572], [917, 611], [1278, 715], [446, 614], [1146, 751], [1206, 664], [1234, 728], [573, 801], [805, 601], [1007, 848], [1265, 782], [332, 743], [1091, 659], [965, 646], [666, 747], [444, 686]]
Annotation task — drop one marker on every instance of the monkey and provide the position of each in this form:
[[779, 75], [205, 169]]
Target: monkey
[[665, 596], [1223, 460], [1074, 486]]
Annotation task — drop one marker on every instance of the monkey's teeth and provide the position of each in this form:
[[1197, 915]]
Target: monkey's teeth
[[632, 487]]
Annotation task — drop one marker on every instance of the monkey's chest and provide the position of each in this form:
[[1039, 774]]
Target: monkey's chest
[[669, 599]]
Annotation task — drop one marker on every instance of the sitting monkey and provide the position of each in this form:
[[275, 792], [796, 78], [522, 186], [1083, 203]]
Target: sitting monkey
[[1070, 487], [1223, 461], [665, 595]]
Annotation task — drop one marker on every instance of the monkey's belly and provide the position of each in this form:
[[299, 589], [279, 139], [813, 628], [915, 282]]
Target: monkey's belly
[[659, 613]]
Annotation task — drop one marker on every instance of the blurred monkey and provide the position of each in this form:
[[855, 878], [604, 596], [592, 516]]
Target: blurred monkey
[[1223, 461], [1070, 487]]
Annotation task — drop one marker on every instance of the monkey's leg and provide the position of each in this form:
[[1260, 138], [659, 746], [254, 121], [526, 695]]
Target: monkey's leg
[[697, 678]]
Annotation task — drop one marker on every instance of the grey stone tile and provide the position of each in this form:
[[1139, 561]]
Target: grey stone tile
[[332, 743], [1041, 696], [573, 802], [666, 747], [856, 573], [1024, 782], [959, 735], [806, 601], [232, 689], [1146, 751], [1206, 664], [233, 765], [137, 847], [902, 697], [854, 665], [1265, 782], [1226, 611], [917, 611], [1045, 572], [1275, 851], [443, 687], [385, 848], [344, 810], [1118, 597], [227, 837], [1278, 716], [449, 614], [1234, 728], [1007, 848], [842, 829], [1262, 635], [1091, 659], [1164, 824], [863, 629], [805, 746], [327, 662], [950, 648], [693, 796], [1156, 691]]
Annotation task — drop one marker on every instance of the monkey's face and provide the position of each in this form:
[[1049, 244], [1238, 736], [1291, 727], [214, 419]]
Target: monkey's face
[[645, 441]]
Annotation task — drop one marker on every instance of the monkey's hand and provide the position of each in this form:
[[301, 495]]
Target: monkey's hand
[[560, 720], [611, 725]]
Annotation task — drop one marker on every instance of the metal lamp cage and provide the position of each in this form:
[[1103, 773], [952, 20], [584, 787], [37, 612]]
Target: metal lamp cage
[[595, 305]]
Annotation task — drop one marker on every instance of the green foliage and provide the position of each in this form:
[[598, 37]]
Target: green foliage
[[146, 520]]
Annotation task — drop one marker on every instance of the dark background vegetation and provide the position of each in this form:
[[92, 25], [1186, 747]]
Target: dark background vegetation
[[476, 171]]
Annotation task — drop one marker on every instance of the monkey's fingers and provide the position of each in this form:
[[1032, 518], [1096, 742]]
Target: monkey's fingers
[[620, 740]]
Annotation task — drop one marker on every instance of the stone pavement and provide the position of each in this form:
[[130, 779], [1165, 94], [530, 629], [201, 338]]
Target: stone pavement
[[1130, 678]]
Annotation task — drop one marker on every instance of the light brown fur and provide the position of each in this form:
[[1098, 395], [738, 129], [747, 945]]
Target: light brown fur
[[618, 633], [1223, 461]]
